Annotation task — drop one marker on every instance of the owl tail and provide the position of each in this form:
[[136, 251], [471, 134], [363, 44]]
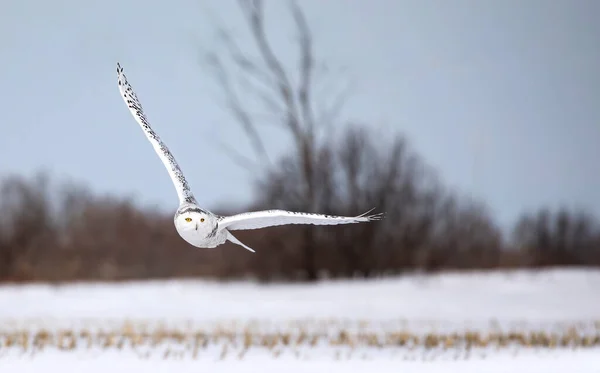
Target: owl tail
[[231, 238]]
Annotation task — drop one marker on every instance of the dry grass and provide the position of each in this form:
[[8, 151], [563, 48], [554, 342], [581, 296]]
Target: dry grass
[[234, 341]]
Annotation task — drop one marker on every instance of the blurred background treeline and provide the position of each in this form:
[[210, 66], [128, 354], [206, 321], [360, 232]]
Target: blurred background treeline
[[54, 230], [64, 232]]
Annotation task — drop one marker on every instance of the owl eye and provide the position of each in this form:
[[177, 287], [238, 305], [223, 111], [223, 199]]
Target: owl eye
[[201, 220], [188, 219]]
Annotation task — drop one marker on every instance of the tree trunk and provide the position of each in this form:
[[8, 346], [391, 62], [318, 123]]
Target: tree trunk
[[310, 265]]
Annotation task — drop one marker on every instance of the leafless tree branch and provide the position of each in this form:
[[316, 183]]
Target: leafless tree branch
[[306, 69], [254, 12], [292, 103], [236, 107]]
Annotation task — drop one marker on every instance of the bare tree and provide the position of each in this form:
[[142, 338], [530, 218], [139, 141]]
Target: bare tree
[[558, 237], [356, 172], [373, 171], [345, 176], [465, 235], [28, 223], [293, 104]]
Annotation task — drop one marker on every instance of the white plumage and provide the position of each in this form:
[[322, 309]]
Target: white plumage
[[201, 228]]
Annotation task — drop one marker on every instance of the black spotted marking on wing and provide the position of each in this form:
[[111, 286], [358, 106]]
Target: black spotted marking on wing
[[275, 212], [133, 103], [276, 217], [214, 231], [308, 214]]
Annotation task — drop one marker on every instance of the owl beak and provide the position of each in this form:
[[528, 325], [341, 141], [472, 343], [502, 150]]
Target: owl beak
[[196, 226]]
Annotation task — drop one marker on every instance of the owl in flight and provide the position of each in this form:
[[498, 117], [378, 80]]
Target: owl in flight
[[200, 227]]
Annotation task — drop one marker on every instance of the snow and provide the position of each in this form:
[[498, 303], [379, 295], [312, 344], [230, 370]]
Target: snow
[[548, 295], [549, 300], [580, 363]]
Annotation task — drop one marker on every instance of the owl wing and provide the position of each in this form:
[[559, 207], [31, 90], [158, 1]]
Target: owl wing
[[270, 218], [135, 107]]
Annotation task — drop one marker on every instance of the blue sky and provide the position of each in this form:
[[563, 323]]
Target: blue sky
[[502, 97]]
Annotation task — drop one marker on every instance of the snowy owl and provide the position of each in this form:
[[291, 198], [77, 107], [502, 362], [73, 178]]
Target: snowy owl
[[200, 227]]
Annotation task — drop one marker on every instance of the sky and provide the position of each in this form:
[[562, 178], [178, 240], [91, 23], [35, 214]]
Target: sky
[[502, 98]]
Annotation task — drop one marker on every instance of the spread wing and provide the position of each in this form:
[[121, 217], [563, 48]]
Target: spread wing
[[270, 218], [135, 107]]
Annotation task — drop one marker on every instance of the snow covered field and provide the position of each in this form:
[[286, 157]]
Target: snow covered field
[[545, 321]]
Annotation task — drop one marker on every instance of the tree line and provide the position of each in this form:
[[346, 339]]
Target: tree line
[[63, 232]]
